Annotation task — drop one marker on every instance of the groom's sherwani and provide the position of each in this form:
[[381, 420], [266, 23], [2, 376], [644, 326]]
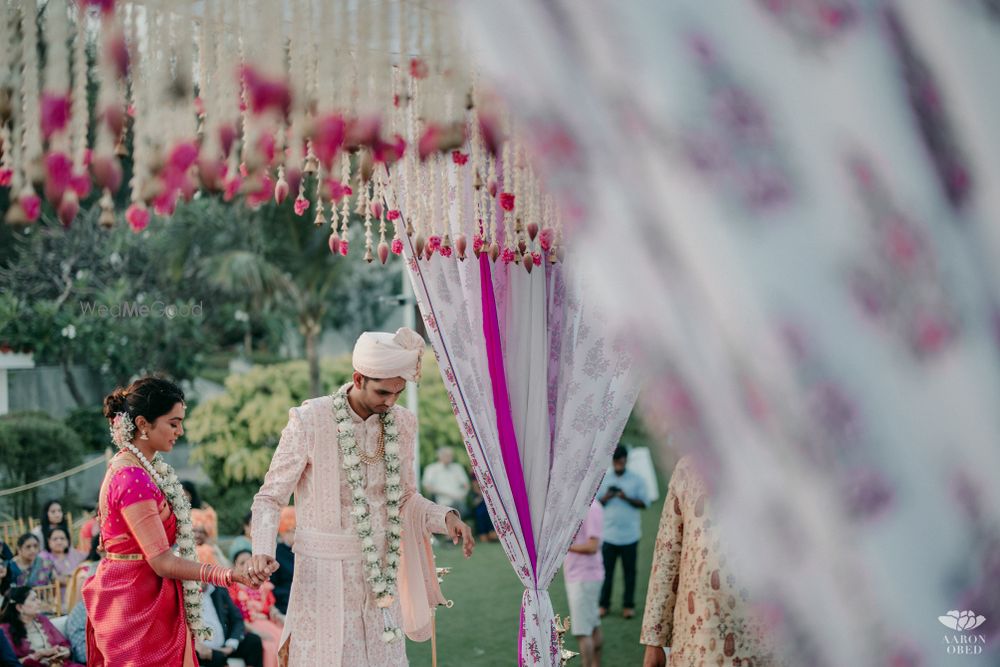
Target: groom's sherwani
[[332, 618]]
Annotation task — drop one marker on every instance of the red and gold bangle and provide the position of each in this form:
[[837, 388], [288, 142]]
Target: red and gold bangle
[[203, 573], [217, 576]]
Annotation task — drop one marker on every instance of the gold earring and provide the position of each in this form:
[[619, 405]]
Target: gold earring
[[144, 436]]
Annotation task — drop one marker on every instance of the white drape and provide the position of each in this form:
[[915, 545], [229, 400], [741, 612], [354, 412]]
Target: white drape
[[571, 388], [794, 210]]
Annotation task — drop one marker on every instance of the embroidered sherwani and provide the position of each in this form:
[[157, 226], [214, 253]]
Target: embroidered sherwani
[[332, 617], [694, 604]]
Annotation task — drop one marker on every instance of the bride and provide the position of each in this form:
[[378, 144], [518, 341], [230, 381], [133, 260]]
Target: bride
[[144, 602]]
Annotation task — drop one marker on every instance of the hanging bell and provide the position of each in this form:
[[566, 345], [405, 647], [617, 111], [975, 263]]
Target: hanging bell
[[460, 246], [477, 181], [107, 217], [367, 166], [494, 251], [16, 215], [369, 257]]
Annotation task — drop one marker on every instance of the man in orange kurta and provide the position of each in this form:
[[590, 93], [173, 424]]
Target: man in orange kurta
[[333, 619]]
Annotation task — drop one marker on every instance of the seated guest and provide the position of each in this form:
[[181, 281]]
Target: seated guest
[[52, 517], [242, 542], [76, 621], [30, 567], [6, 580], [206, 548], [282, 579], [484, 524], [35, 640], [64, 558], [259, 612], [229, 636], [209, 518], [7, 656], [446, 482], [87, 530], [5, 552]]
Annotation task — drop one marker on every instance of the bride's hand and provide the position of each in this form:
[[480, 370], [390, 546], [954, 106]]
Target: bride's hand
[[242, 575]]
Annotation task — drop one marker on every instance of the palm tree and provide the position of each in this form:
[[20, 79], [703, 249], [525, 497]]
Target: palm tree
[[274, 259]]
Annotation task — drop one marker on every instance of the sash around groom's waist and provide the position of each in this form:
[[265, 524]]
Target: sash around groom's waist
[[341, 545]]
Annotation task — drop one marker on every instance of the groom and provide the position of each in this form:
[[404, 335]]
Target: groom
[[364, 569]]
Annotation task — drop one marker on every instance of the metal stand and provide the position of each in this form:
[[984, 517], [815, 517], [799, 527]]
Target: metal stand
[[562, 627]]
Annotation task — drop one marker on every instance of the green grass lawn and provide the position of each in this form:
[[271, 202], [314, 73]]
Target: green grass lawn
[[481, 629]]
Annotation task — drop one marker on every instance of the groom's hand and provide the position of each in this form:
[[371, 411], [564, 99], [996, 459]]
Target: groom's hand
[[458, 530], [260, 567]]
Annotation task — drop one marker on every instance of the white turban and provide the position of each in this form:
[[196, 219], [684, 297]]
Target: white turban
[[380, 355]]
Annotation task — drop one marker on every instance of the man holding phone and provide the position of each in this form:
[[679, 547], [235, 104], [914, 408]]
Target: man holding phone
[[623, 494]]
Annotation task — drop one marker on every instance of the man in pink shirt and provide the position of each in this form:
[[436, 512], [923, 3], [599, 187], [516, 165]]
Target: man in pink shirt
[[583, 570]]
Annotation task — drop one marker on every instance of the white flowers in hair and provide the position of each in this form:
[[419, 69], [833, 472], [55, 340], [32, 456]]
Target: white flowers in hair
[[381, 576], [166, 479], [121, 429]]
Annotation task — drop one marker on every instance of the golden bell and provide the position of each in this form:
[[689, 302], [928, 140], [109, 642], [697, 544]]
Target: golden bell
[[15, 214], [106, 219]]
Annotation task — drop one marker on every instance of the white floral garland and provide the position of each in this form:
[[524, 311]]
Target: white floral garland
[[166, 479], [381, 576]]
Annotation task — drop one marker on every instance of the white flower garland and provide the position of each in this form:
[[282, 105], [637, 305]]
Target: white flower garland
[[166, 479], [381, 576]]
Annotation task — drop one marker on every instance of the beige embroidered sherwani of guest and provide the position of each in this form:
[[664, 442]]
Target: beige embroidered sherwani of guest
[[693, 604], [332, 619]]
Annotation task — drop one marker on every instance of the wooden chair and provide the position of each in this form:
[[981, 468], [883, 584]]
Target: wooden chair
[[75, 583], [12, 529], [50, 596], [76, 527]]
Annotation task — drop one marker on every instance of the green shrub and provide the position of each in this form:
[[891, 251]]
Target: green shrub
[[92, 427], [33, 446]]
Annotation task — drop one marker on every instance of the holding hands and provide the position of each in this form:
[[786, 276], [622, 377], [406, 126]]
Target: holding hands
[[255, 571]]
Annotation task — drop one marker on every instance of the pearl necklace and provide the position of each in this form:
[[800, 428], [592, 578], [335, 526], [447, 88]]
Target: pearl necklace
[[145, 464]]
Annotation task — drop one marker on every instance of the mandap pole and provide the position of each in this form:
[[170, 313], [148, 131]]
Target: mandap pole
[[408, 301]]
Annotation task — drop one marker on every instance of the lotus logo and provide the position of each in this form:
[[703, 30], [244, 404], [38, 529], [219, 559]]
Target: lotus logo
[[962, 620]]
